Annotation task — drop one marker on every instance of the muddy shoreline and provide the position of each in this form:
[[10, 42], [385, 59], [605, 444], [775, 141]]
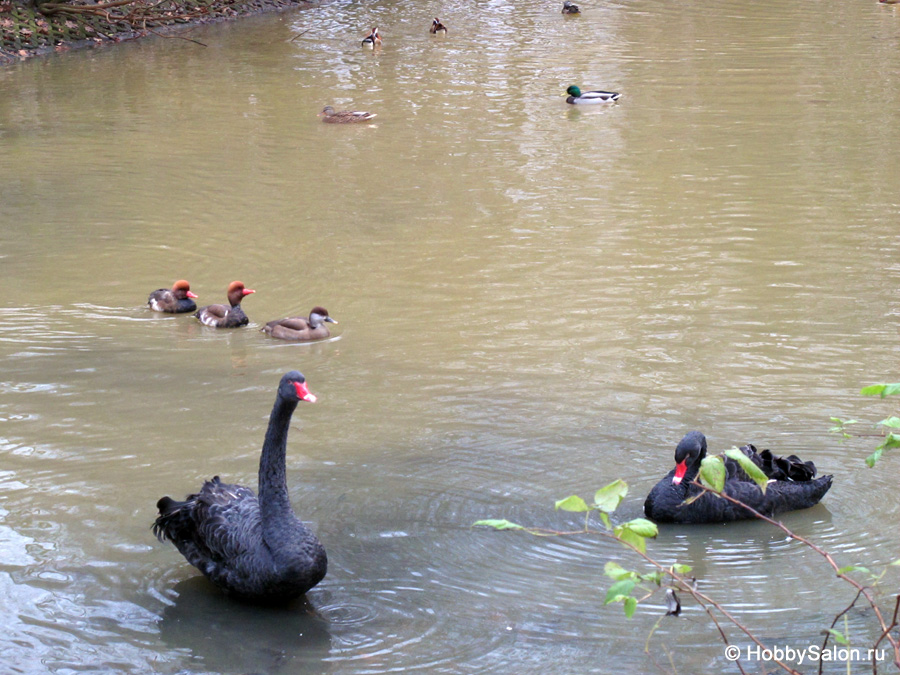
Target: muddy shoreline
[[45, 27]]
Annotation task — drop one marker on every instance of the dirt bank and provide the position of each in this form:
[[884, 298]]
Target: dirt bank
[[33, 28]]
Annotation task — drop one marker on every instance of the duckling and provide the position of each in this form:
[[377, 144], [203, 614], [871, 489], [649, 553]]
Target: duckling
[[333, 116], [577, 96], [372, 40], [438, 27], [570, 8]]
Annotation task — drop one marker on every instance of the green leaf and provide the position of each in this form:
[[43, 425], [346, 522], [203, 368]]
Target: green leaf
[[712, 473], [681, 569], [654, 577], [619, 591], [615, 571], [573, 503], [627, 536], [843, 423], [749, 468], [874, 457], [608, 498], [605, 518], [630, 606], [892, 422], [838, 636], [891, 441], [642, 526], [852, 568], [499, 524], [881, 390]]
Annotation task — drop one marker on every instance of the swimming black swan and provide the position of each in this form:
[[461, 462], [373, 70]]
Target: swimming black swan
[[253, 548], [175, 301], [301, 328], [224, 316], [792, 485]]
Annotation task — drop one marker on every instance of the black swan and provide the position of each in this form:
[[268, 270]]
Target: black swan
[[792, 485], [301, 328], [176, 301], [252, 548], [222, 316]]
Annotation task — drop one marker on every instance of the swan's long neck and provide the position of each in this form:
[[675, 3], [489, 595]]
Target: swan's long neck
[[274, 503]]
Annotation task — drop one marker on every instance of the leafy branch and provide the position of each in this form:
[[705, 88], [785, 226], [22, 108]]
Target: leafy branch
[[634, 533], [889, 425]]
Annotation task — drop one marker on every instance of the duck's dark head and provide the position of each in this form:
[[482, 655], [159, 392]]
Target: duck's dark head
[[236, 291], [574, 91], [293, 388], [689, 453]]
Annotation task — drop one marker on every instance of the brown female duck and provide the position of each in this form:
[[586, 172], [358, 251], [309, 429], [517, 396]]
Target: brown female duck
[[301, 328]]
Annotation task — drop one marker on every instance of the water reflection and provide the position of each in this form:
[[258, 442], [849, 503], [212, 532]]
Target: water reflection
[[222, 635]]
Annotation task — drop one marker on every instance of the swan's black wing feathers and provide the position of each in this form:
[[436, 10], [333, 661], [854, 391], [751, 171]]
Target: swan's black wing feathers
[[216, 529]]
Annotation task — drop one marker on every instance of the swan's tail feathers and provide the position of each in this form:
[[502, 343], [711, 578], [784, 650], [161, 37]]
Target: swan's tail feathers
[[790, 468], [170, 511]]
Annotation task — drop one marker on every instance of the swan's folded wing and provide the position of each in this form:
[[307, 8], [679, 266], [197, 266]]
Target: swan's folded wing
[[228, 520]]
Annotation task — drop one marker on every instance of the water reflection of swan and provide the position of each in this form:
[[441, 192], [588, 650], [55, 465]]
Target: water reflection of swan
[[235, 637]]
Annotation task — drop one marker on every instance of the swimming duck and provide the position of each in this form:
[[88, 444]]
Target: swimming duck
[[792, 485], [438, 27], [576, 96], [333, 116], [570, 8], [301, 328], [222, 316], [372, 40], [176, 301]]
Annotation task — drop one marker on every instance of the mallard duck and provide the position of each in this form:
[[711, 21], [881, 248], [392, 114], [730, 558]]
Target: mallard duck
[[333, 116], [438, 27], [372, 40], [577, 96], [570, 8]]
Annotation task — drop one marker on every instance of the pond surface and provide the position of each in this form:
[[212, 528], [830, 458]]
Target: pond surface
[[534, 300]]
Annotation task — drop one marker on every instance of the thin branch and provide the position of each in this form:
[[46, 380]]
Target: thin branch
[[300, 34], [862, 590], [833, 623], [701, 598], [170, 37]]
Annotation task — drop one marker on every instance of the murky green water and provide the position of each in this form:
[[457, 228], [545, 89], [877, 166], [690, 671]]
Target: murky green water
[[534, 300]]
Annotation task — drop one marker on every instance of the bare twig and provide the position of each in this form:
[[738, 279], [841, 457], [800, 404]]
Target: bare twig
[[300, 34], [180, 37], [863, 590]]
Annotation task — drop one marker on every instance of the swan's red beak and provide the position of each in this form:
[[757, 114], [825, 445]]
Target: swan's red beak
[[680, 470], [248, 291], [192, 295], [303, 393]]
